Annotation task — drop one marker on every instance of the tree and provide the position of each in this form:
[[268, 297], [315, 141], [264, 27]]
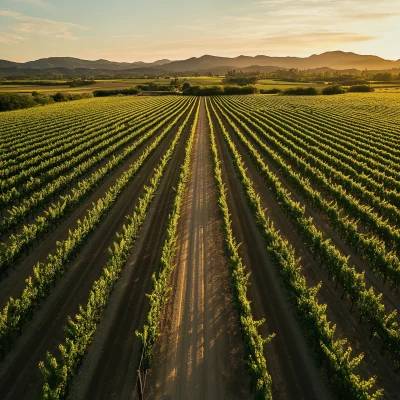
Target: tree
[[332, 89], [185, 86]]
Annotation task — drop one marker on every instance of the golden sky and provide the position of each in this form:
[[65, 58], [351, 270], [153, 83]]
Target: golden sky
[[125, 30]]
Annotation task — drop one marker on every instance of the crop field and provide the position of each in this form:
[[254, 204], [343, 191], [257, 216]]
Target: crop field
[[112, 84], [105, 84], [227, 247]]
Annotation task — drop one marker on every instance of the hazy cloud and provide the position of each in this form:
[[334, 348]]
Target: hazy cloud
[[322, 37], [40, 3], [9, 38], [372, 16], [41, 26], [128, 36]]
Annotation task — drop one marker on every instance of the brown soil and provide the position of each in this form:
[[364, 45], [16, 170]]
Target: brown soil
[[200, 352]]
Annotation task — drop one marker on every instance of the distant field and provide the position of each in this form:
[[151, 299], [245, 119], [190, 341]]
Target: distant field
[[108, 84], [101, 84], [193, 80]]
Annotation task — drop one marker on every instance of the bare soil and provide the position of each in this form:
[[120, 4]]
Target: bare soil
[[200, 352]]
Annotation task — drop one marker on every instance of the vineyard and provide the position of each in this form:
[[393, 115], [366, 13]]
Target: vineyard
[[225, 247]]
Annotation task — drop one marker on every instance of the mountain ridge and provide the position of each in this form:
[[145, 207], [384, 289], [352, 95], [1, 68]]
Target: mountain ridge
[[338, 60]]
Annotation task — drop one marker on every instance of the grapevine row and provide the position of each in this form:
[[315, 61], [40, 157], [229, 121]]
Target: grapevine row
[[381, 173], [31, 128], [56, 186], [372, 249], [158, 296], [25, 240], [351, 160], [17, 311], [83, 142], [339, 133], [390, 234], [31, 156], [369, 305], [254, 343]]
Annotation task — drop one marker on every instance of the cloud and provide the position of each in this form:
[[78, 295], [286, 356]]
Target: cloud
[[40, 3], [128, 36], [372, 16], [66, 36], [41, 26], [9, 38], [248, 18], [320, 37]]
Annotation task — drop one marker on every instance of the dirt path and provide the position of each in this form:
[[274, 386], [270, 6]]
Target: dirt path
[[200, 353]]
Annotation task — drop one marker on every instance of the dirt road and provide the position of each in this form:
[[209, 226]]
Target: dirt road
[[200, 352]]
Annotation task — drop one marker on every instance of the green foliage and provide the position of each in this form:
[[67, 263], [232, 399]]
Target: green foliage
[[22, 242], [332, 89], [249, 89], [383, 76], [13, 101], [360, 89], [16, 312], [241, 80], [301, 91], [65, 96], [185, 86], [115, 92], [353, 283], [80, 82], [153, 87], [196, 90], [42, 99], [270, 91], [317, 164], [219, 90]]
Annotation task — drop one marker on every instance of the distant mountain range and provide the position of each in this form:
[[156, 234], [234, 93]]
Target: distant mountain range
[[337, 60]]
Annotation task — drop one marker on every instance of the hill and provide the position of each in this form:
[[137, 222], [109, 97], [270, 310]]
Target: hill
[[337, 60]]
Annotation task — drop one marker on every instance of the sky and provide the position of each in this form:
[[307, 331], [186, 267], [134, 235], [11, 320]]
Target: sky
[[149, 30]]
